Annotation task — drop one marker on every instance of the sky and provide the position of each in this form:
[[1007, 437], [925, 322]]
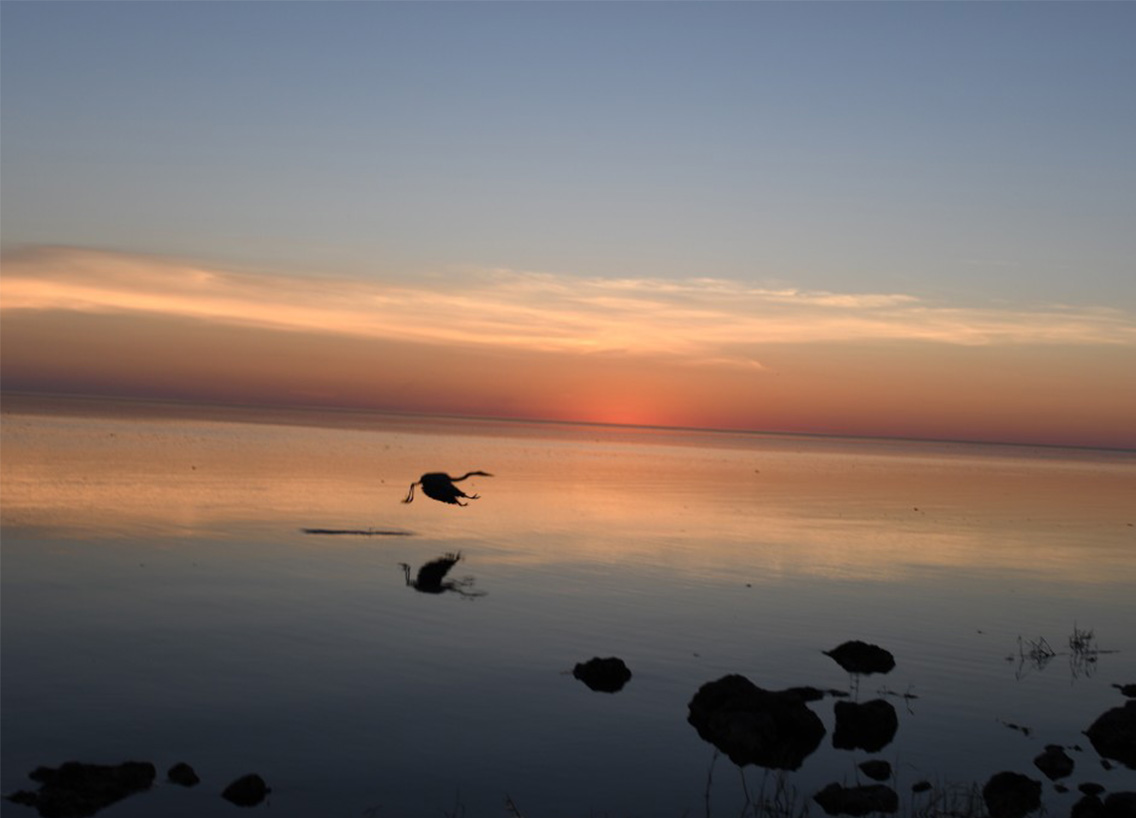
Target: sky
[[885, 219]]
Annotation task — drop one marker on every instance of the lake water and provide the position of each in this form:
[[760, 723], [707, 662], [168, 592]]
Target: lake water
[[163, 602]]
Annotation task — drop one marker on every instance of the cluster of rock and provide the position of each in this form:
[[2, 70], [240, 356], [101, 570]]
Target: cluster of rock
[[772, 729], [1113, 735], [76, 789], [778, 730]]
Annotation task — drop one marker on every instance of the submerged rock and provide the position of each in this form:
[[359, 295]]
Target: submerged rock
[[869, 726], [1089, 806], [183, 774], [1116, 805], [247, 791], [1127, 690], [862, 658], [1054, 762], [1120, 805], [876, 769], [78, 789], [839, 800], [1113, 734], [605, 675], [1011, 795], [755, 726]]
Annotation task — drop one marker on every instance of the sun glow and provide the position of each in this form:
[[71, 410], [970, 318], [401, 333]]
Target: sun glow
[[700, 352]]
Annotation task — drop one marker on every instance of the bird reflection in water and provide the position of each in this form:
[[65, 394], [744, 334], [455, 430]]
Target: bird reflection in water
[[440, 486], [431, 578]]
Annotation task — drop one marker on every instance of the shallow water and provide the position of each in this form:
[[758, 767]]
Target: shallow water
[[161, 601]]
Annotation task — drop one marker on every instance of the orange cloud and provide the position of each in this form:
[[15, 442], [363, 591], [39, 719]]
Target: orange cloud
[[703, 352], [703, 318]]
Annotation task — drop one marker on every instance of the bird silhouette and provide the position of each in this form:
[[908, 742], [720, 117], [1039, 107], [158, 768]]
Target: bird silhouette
[[440, 486], [431, 577]]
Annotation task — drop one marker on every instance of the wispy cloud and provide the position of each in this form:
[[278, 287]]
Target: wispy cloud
[[705, 319]]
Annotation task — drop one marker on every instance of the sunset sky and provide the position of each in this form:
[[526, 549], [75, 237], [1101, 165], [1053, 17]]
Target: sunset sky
[[887, 219]]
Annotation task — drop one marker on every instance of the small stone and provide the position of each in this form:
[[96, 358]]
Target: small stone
[[862, 658], [1054, 762], [181, 773], [605, 675], [876, 769], [247, 791], [1011, 795]]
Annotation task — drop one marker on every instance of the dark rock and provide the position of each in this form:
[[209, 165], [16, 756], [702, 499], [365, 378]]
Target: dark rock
[[247, 791], [605, 675], [1088, 807], [25, 797], [183, 774], [876, 769], [1127, 690], [1054, 762], [860, 657], [838, 800], [76, 789], [1120, 805], [921, 786], [771, 729], [1090, 788], [869, 726], [1113, 734], [1011, 795]]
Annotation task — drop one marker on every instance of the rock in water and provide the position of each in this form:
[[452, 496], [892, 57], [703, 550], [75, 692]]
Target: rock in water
[[869, 726], [876, 769], [1011, 795], [183, 774], [247, 791], [862, 658], [755, 726], [1120, 804], [1054, 762], [605, 675], [1113, 734], [78, 789]]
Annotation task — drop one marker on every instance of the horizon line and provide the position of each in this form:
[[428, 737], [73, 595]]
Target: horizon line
[[312, 408]]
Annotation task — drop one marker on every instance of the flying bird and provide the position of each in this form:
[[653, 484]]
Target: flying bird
[[440, 486]]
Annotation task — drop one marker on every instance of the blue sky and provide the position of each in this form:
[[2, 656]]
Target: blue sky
[[802, 203], [961, 150]]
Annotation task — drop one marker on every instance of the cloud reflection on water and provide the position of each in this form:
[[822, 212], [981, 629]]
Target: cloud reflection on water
[[779, 508]]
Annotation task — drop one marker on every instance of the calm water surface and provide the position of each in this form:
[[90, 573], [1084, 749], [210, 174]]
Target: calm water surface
[[162, 601]]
